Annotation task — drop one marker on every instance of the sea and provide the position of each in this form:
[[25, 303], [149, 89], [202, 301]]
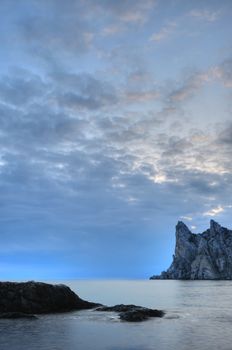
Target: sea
[[198, 315]]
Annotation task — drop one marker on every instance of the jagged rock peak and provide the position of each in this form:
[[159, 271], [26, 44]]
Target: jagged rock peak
[[206, 255], [214, 226], [182, 229]]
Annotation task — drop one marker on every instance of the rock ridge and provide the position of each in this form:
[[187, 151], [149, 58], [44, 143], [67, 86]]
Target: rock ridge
[[18, 298], [202, 256]]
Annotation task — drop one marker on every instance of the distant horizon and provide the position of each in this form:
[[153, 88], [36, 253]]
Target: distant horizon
[[115, 123]]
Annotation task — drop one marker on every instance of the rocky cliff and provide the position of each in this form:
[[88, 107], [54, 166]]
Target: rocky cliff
[[207, 255]]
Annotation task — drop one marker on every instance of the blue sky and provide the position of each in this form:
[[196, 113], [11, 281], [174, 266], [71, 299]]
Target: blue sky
[[115, 123]]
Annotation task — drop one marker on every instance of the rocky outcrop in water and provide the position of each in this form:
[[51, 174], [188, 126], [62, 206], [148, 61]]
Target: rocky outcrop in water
[[22, 300], [18, 299], [132, 313], [204, 256]]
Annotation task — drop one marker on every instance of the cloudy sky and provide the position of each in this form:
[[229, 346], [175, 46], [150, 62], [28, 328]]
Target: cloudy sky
[[115, 123]]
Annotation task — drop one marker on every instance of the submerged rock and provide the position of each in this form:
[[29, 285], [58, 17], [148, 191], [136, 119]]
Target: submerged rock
[[204, 256], [132, 313], [38, 298]]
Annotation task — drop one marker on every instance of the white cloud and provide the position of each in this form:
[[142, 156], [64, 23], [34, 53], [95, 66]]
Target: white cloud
[[188, 218], [112, 30], [164, 32], [161, 178], [214, 211], [205, 15]]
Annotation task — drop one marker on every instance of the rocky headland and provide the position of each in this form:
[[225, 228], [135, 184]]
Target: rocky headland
[[23, 299], [203, 256]]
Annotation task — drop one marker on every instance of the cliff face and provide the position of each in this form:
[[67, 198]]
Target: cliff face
[[207, 255]]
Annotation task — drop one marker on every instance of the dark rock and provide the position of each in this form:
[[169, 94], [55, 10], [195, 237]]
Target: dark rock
[[133, 316], [38, 298], [132, 313], [138, 315], [14, 315], [118, 308], [203, 256]]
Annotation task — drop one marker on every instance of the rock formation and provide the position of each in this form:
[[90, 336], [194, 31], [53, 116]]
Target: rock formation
[[204, 256], [22, 300], [132, 313], [17, 299]]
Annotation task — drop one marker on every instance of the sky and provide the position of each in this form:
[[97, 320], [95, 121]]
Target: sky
[[115, 123]]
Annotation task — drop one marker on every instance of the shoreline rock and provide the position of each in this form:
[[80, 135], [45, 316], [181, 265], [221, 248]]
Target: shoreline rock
[[132, 313], [28, 299], [39, 298], [17, 315]]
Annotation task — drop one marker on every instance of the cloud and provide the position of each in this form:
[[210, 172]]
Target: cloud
[[225, 135], [196, 80], [205, 15], [112, 29], [188, 218], [149, 149], [97, 144], [224, 72], [164, 32], [191, 85], [128, 11], [22, 88], [142, 96], [214, 211], [56, 28]]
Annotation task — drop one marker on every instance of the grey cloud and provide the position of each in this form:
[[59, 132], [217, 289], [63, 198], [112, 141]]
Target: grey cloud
[[58, 30], [40, 112], [225, 72], [80, 160], [128, 11], [177, 92], [187, 88], [57, 26], [22, 88], [225, 136], [177, 146], [83, 91]]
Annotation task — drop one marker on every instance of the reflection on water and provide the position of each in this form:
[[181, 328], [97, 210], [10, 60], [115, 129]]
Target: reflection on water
[[198, 316]]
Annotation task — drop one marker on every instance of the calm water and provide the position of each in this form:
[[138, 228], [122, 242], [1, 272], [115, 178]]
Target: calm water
[[198, 316]]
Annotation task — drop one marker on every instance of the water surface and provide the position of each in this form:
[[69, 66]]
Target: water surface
[[198, 316]]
